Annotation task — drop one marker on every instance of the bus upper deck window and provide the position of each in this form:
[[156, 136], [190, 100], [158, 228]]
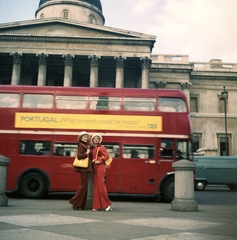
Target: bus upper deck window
[[105, 103], [37, 101], [71, 102], [171, 105], [139, 104], [9, 100], [102, 103]]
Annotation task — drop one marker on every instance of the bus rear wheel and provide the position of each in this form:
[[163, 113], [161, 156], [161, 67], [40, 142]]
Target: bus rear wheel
[[33, 185], [167, 190]]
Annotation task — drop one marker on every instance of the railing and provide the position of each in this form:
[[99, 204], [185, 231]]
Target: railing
[[212, 65]]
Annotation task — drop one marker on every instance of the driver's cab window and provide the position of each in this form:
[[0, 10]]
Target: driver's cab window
[[183, 150], [166, 148]]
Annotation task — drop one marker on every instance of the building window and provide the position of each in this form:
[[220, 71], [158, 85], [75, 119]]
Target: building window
[[194, 103], [223, 147], [65, 14], [42, 16], [196, 142], [92, 19]]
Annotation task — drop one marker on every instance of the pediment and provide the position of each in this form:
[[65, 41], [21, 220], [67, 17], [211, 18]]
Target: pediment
[[67, 28]]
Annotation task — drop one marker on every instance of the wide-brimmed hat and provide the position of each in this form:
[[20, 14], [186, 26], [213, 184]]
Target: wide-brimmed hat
[[81, 134], [96, 135]]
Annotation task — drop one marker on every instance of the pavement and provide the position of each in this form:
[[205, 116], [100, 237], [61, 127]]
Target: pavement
[[54, 219]]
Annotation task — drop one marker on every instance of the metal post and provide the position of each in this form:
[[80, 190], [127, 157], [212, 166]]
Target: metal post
[[224, 95]]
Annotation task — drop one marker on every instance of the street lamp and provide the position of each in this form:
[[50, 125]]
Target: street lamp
[[224, 96]]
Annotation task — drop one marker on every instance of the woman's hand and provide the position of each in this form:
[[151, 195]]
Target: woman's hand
[[95, 161]]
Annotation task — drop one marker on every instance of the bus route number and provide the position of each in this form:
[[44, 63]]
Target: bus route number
[[152, 126]]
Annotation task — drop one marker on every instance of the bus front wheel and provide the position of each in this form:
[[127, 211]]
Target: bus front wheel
[[167, 190], [33, 185]]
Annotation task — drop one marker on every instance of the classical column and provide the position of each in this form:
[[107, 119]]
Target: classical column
[[94, 76], [185, 87], [16, 70], [68, 70], [42, 68], [145, 64], [119, 82]]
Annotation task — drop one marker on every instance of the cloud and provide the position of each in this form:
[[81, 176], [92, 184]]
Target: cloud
[[203, 29], [141, 7]]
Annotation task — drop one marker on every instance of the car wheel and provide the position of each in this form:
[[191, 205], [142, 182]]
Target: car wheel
[[167, 190], [200, 185], [33, 185], [232, 187]]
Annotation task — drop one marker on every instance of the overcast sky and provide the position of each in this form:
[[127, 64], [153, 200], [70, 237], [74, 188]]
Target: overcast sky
[[202, 29]]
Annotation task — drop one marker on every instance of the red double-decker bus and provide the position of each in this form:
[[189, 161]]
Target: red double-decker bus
[[144, 130]]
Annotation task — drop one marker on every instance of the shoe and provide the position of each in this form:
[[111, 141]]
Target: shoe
[[75, 207], [93, 209], [108, 209]]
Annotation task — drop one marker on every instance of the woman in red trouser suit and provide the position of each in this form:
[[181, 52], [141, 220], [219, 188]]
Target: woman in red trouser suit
[[98, 155], [80, 198]]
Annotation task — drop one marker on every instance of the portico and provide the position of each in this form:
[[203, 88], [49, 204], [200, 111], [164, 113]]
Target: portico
[[90, 55]]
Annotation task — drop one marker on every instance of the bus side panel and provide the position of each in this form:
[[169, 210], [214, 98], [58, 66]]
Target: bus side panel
[[138, 176], [4, 146], [7, 149], [113, 176], [62, 176]]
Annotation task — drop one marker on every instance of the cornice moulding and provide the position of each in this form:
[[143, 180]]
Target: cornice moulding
[[83, 39]]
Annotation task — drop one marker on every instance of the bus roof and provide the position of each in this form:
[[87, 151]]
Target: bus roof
[[94, 91]]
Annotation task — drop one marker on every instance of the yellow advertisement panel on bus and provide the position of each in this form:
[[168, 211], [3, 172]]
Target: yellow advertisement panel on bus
[[88, 121]]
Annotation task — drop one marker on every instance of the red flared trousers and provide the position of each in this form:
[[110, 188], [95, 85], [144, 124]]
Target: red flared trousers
[[80, 198], [100, 195]]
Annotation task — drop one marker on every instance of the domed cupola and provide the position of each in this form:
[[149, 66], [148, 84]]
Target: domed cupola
[[89, 11]]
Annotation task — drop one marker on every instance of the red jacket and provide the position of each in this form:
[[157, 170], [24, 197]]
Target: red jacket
[[103, 154], [81, 154]]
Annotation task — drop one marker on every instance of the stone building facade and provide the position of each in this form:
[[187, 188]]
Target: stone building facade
[[69, 45]]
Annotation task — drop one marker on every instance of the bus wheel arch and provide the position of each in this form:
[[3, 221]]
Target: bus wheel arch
[[33, 184], [167, 188]]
